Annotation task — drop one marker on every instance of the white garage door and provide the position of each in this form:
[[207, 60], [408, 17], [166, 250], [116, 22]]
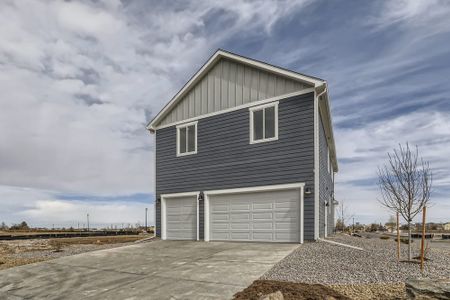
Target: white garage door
[[181, 218], [270, 216]]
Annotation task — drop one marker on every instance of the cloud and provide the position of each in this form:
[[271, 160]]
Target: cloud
[[80, 80]]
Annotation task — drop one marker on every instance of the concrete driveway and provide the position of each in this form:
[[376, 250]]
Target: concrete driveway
[[154, 270]]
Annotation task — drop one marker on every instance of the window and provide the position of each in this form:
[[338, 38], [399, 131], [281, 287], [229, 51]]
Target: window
[[264, 123], [187, 139]]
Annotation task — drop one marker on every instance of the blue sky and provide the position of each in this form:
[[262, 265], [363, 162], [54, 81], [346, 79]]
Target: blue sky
[[79, 81]]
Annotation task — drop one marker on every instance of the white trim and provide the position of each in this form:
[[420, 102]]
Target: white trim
[[257, 189], [198, 219], [263, 107], [246, 105], [186, 125], [163, 219], [316, 168], [302, 214], [299, 185], [206, 218], [163, 210], [341, 244], [154, 182], [326, 218], [210, 63]]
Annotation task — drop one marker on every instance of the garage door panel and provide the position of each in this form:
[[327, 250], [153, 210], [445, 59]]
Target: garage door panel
[[262, 226], [239, 216], [220, 236], [256, 216], [239, 226], [262, 216], [237, 235], [220, 208], [181, 218], [220, 226], [262, 236], [262, 206], [239, 207]]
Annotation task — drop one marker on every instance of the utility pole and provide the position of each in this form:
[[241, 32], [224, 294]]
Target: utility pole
[[146, 210], [353, 225], [87, 217]]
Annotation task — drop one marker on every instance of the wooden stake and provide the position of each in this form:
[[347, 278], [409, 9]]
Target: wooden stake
[[398, 236], [423, 238]]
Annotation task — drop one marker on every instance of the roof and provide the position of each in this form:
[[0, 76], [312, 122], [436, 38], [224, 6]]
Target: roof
[[318, 83]]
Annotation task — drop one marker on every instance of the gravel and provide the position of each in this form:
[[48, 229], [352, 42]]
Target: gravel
[[325, 263]]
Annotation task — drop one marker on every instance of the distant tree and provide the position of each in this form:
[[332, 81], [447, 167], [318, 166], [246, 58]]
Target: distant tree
[[373, 227], [343, 215], [3, 226], [340, 225], [405, 185], [21, 226]]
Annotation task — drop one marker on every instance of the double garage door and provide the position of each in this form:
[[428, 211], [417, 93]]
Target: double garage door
[[268, 216]]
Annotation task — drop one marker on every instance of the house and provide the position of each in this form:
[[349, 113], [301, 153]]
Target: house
[[245, 152], [446, 226]]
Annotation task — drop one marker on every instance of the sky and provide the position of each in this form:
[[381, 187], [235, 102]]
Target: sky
[[79, 80]]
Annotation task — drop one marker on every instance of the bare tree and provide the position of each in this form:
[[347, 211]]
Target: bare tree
[[405, 184], [343, 216]]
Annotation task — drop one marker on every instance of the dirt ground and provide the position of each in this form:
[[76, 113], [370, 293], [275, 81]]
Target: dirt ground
[[290, 291], [21, 252]]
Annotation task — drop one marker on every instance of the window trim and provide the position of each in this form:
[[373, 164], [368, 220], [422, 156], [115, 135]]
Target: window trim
[[186, 125], [259, 107]]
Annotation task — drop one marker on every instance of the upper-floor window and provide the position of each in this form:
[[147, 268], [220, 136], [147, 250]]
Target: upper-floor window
[[187, 139], [264, 123]]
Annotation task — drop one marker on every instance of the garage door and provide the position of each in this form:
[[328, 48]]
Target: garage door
[[181, 218], [270, 216]]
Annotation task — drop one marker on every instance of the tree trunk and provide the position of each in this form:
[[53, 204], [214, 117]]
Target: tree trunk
[[409, 242]]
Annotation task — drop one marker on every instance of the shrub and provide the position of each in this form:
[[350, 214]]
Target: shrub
[[404, 240], [384, 237]]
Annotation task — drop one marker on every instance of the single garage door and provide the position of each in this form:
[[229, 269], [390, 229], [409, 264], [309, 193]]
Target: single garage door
[[181, 218], [270, 216]]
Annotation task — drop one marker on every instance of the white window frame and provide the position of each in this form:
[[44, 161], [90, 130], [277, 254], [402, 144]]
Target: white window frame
[[185, 125], [256, 108]]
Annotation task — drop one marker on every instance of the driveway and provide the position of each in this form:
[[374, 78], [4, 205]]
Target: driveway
[[154, 270]]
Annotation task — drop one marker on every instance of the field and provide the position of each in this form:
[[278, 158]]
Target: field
[[21, 252]]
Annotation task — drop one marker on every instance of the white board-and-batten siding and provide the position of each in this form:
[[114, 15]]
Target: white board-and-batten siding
[[229, 84]]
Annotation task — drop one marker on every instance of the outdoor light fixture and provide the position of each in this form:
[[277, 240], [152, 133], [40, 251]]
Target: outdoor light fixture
[[201, 196], [308, 191], [158, 200]]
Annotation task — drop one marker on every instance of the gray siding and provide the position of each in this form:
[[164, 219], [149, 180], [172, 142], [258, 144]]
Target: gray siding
[[326, 186], [230, 84], [225, 159]]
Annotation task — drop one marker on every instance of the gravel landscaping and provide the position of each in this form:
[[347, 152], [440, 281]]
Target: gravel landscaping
[[321, 262], [372, 273]]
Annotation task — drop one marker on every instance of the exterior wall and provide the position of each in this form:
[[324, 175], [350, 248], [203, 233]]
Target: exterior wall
[[226, 159], [326, 186], [230, 84]]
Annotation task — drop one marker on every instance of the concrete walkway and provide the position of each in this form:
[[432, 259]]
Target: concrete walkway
[[154, 270]]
